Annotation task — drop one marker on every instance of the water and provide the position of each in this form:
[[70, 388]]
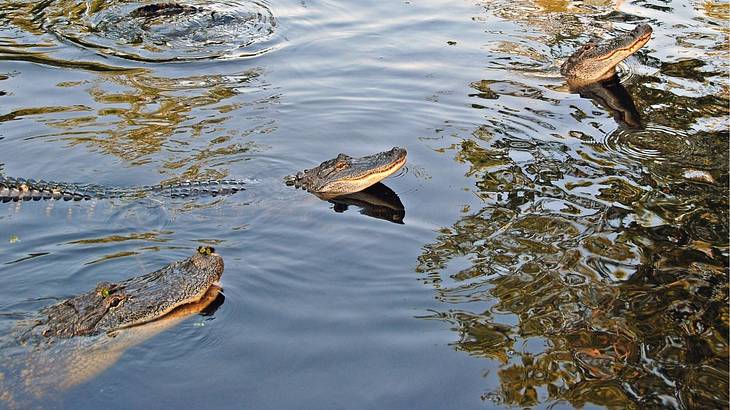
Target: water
[[552, 253]]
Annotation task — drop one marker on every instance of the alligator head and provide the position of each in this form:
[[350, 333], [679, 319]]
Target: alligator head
[[345, 174], [596, 61], [142, 299]]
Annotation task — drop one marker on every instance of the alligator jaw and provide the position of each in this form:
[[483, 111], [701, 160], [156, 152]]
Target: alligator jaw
[[189, 282], [358, 183]]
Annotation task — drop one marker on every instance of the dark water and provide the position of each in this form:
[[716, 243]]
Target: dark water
[[554, 252]]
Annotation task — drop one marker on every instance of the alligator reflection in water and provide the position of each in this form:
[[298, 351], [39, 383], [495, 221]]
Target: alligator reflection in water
[[80, 337], [377, 201], [613, 97]]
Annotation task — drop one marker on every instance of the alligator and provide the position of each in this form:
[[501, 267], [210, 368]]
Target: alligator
[[339, 176], [345, 175], [596, 61], [79, 337]]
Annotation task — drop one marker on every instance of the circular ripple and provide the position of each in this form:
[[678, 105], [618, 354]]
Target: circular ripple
[[165, 31], [641, 144]]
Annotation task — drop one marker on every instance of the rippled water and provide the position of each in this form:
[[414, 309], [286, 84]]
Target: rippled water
[[551, 248]]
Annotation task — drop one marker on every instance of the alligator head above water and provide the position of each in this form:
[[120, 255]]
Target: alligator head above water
[[596, 61], [113, 306], [345, 175]]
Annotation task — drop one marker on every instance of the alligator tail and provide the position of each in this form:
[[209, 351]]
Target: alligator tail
[[20, 189]]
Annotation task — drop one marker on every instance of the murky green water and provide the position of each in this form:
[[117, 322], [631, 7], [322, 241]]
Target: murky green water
[[556, 249]]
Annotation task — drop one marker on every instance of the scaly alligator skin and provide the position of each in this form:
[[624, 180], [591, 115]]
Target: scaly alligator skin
[[163, 10], [113, 306], [596, 61], [19, 189], [346, 175]]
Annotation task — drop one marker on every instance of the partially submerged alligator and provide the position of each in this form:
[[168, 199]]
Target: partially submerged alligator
[[596, 61], [77, 338], [20, 189], [113, 306], [340, 176], [156, 10]]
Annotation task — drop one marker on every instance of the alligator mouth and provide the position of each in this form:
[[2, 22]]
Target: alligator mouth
[[198, 301], [188, 307], [630, 49]]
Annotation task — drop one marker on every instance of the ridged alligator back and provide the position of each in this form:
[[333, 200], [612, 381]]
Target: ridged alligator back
[[20, 189]]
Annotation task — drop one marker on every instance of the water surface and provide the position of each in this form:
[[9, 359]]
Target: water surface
[[553, 251]]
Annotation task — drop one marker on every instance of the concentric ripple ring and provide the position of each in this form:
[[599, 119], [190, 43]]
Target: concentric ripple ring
[[165, 30]]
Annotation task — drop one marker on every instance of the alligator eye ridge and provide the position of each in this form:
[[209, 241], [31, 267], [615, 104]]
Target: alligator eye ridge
[[166, 30]]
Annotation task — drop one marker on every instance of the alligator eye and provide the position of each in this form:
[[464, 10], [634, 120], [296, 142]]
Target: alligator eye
[[115, 301], [588, 46]]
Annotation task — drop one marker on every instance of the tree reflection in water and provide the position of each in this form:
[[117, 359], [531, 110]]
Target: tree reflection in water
[[619, 278]]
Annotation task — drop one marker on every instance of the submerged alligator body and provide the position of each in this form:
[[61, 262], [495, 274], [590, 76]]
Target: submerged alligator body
[[78, 338], [20, 189], [596, 61], [345, 175], [156, 10]]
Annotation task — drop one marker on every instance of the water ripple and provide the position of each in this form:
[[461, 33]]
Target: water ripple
[[159, 32]]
